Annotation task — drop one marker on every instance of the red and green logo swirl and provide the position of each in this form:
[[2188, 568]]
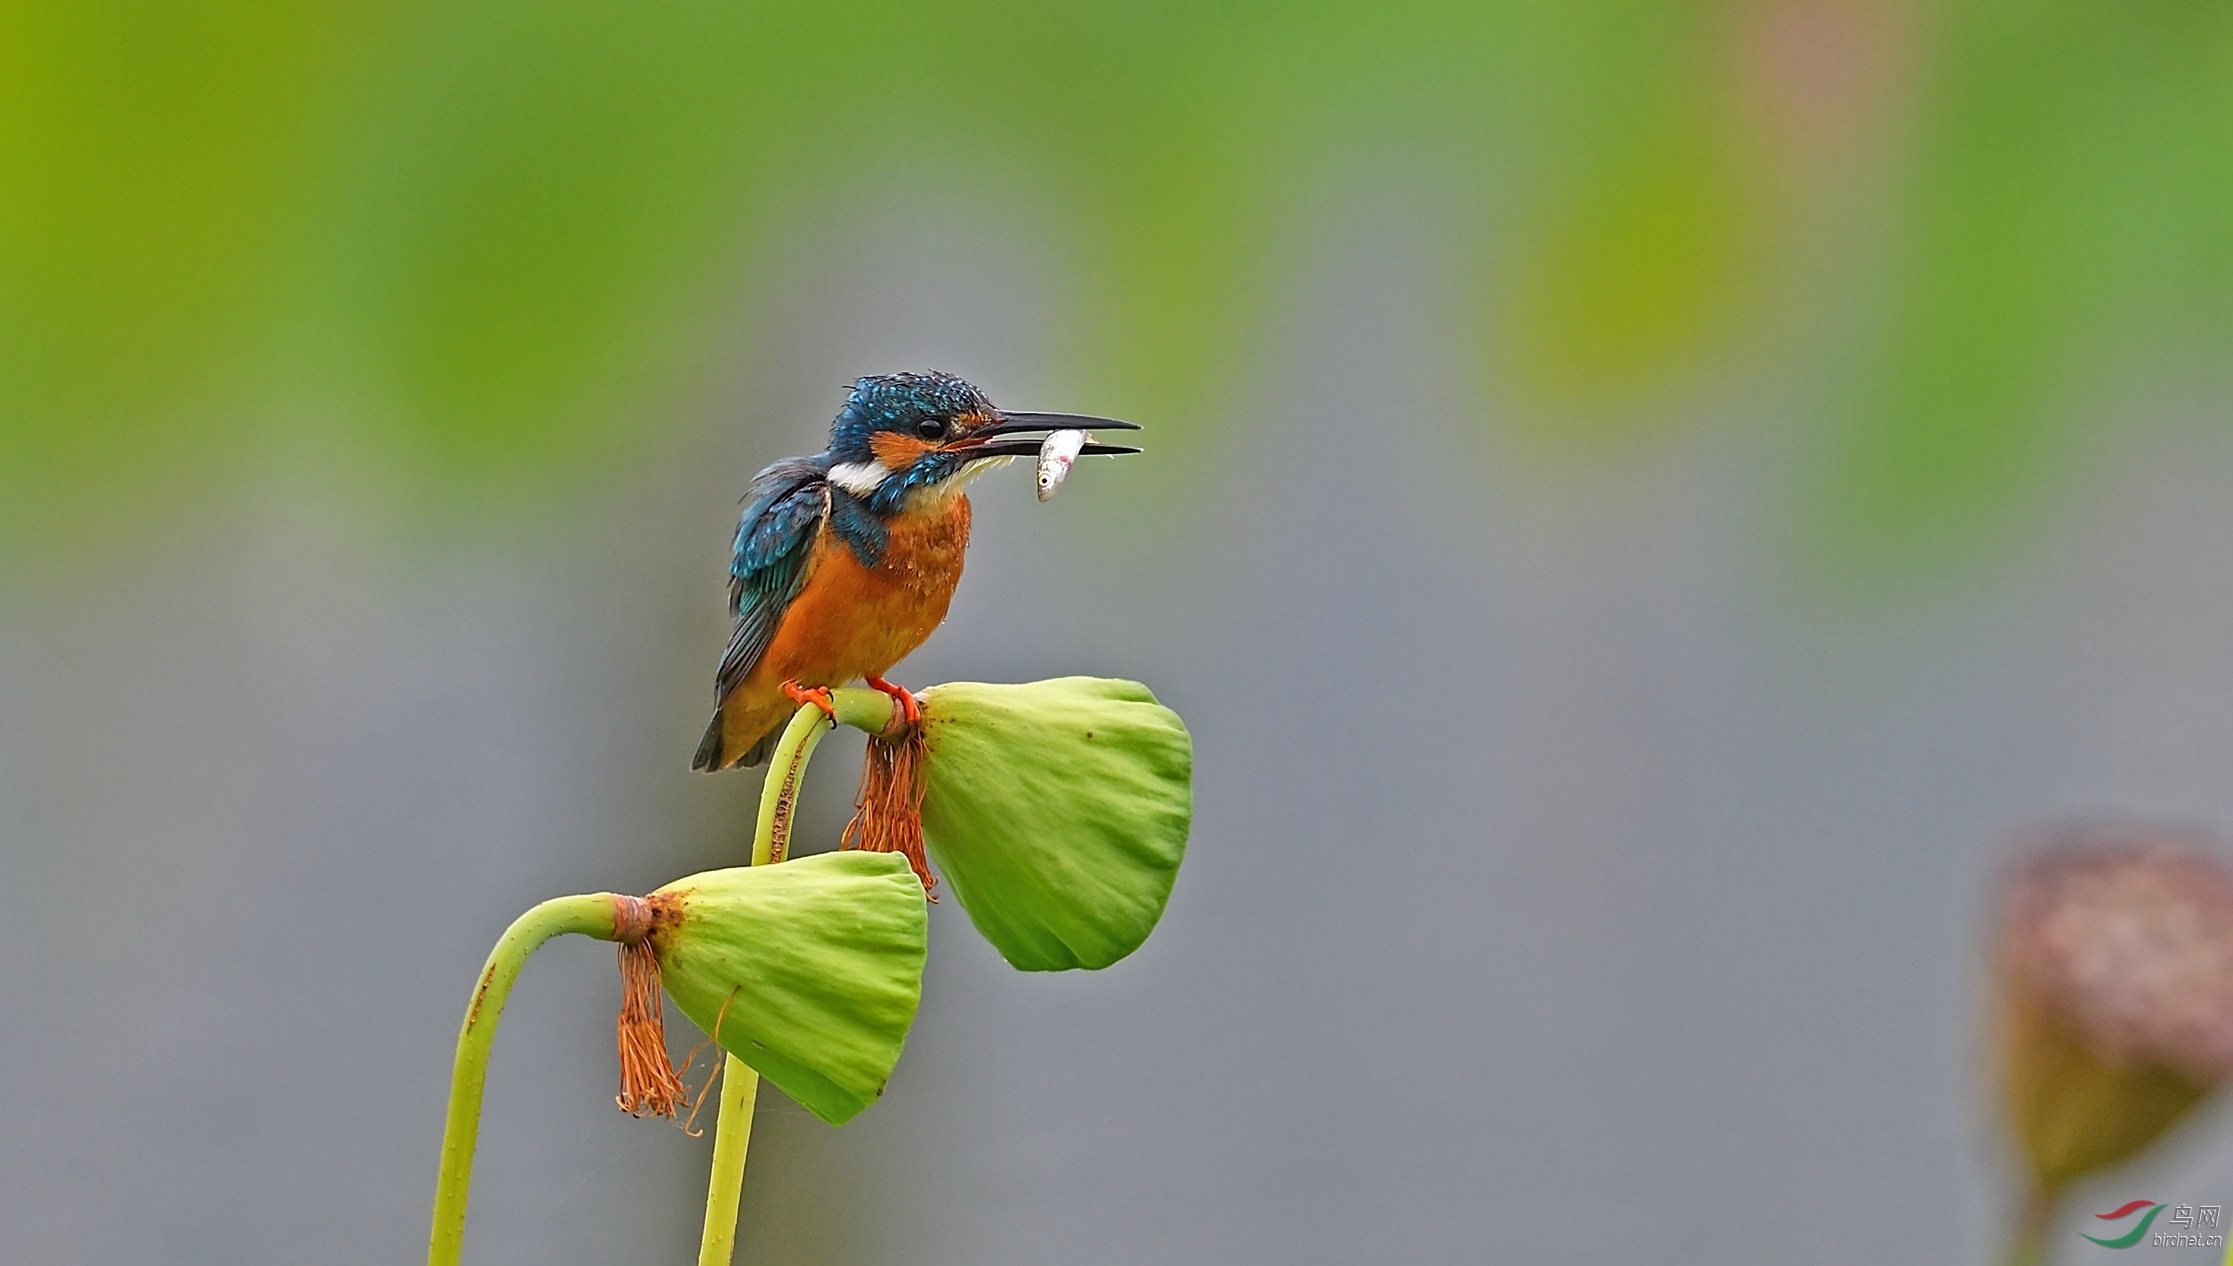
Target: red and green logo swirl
[[2132, 1237]]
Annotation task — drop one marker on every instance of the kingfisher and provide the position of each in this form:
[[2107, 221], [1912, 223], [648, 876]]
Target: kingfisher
[[845, 561]]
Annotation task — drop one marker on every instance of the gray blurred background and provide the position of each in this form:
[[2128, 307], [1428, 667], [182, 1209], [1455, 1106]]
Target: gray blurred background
[[1596, 793], [1560, 888]]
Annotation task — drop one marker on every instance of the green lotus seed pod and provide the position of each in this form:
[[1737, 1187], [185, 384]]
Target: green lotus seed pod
[[808, 971], [1058, 811]]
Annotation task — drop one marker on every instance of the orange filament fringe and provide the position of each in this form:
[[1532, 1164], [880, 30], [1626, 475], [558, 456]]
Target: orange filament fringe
[[888, 811], [649, 1082]]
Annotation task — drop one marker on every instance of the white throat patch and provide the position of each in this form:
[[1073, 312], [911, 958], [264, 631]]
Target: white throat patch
[[859, 478]]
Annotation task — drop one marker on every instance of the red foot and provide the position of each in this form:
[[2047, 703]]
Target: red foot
[[819, 696], [908, 708]]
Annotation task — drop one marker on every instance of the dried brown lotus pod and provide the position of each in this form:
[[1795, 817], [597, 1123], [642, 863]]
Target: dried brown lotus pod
[[2114, 975]]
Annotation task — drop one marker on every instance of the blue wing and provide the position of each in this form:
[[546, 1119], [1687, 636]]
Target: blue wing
[[789, 503]]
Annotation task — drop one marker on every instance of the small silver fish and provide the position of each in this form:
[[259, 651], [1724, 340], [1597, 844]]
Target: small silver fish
[[1056, 453]]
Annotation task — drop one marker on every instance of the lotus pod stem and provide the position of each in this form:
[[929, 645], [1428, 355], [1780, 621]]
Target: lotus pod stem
[[870, 711], [591, 914], [740, 1087]]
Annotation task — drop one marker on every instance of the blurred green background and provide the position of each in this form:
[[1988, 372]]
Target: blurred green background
[[1640, 498], [462, 247]]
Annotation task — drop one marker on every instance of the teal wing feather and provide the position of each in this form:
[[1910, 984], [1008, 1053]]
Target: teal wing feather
[[788, 504]]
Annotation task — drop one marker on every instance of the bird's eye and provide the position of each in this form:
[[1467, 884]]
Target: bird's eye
[[932, 429]]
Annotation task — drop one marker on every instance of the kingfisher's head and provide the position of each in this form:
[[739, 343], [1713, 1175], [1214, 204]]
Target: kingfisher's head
[[901, 437]]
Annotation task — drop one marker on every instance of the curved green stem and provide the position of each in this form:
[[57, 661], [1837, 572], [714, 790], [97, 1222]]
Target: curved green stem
[[590, 914], [868, 710]]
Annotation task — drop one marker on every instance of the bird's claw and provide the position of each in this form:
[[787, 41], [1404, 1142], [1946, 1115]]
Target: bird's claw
[[819, 696], [908, 708]]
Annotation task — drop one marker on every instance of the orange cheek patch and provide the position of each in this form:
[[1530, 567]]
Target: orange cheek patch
[[896, 451]]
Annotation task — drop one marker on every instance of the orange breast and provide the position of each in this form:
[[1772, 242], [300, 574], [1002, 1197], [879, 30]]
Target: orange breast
[[850, 621]]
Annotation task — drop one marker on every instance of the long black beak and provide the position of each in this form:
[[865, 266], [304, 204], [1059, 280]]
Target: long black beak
[[1014, 422], [1020, 423]]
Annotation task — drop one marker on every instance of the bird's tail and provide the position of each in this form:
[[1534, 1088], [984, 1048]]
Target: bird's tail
[[708, 759], [764, 748]]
